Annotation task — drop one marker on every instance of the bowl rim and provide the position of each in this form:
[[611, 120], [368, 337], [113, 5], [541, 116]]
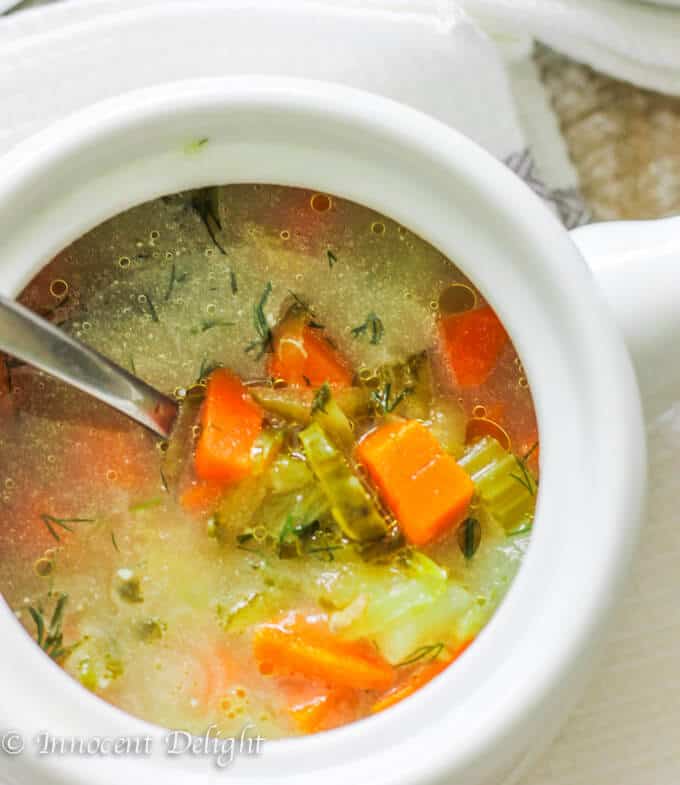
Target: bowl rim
[[421, 173]]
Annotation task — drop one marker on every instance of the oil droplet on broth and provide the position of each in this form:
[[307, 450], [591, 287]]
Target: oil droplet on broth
[[320, 203], [457, 298], [59, 288]]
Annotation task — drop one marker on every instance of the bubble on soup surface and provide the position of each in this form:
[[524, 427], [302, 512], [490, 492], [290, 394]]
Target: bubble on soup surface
[[59, 288], [456, 298], [321, 203]]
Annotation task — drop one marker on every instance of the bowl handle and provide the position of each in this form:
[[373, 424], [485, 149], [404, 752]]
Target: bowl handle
[[637, 265]]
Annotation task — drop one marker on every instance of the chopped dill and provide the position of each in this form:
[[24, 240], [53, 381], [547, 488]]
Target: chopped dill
[[332, 258], [264, 340], [114, 542], [204, 208], [196, 145], [307, 380], [383, 400], [148, 504], [210, 324], [153, 313], [321, 398], [64, 523], [328, 550], [469, 537], [132, 365], [233, 282], [174, 279], [525, 478], [373, 327], [207, 367], [49, 635], [423, 654]]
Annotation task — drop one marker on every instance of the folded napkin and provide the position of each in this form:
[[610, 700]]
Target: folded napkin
[[426, 54], [637, 42]]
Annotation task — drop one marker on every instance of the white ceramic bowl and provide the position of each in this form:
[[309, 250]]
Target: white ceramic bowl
[[483, 720]]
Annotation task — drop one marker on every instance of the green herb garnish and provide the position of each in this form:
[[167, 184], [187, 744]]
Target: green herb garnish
[[524, 478], [49, 636], [233, 282], [321, 398], [174, 279], [203, 206], [263, 342], [113, 541], [423, 654], [64, 523], [207, 367], [332, 258], [383, 400], [210, 324], [328, 550], [153, 313], [196, 145], [373, 327], [469, 537], [149, 504]]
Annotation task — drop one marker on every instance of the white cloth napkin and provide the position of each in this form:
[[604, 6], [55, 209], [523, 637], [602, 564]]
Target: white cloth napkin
[[633, 41], [64, 56]]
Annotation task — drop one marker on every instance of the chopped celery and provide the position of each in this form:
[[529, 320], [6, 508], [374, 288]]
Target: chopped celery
[[447, 423], [504, 484], [352, 507], [238, 507], [244, 612], [404, 388], [285, 402], [445, 618], [354, 401], [400, 607], [266, 447], [289, 473], [335, 423]]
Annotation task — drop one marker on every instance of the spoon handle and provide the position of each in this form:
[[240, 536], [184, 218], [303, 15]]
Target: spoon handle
[[39, 343]]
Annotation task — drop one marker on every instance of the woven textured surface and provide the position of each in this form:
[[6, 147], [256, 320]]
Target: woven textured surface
[[624, 142]]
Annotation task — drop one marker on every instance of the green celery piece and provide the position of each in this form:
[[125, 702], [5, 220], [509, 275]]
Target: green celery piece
[[335, 423], [352, 507], [505, 487]]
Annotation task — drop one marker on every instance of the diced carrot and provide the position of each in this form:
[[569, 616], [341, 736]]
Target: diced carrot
[[325, 709], [214, 674], [201, 497], [423, 486], [303, 356], [230, 423], [417, 680], [472, 341], [297, 646]]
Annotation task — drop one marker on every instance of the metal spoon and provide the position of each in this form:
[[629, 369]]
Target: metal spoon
[[37, 342]]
